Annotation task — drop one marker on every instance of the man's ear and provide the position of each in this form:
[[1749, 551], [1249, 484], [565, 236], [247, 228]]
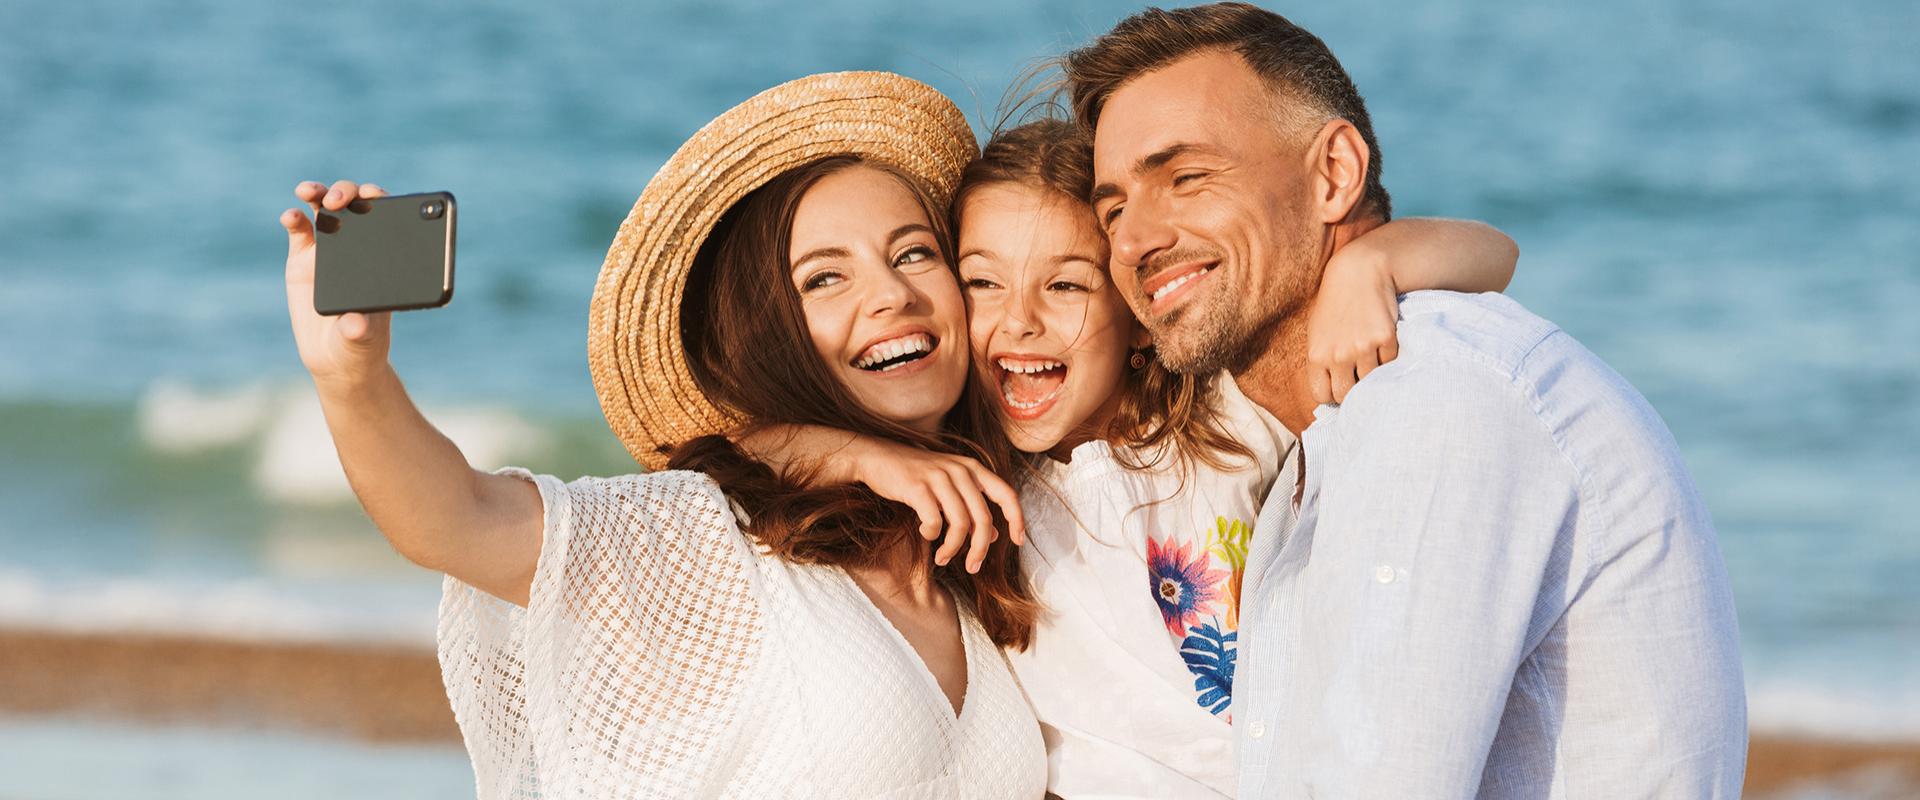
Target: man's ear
[[1338, 160]]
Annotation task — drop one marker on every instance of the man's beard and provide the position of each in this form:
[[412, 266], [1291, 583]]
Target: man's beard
[[1230, 332], [1202, 341]]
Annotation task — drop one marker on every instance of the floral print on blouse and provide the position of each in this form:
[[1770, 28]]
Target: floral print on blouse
[[1195, 579]]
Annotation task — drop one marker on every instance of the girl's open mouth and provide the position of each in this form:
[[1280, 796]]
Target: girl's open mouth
[[1030, 385]]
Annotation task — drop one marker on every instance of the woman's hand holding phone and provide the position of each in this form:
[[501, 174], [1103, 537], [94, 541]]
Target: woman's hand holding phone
[[340, 351], [414, 483]]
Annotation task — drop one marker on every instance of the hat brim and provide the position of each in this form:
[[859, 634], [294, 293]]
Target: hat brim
[[634, 347]]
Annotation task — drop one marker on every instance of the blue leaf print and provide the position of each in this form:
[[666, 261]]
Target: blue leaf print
[[1210, 655]]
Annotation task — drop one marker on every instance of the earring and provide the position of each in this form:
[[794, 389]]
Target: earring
[[1138, 360]]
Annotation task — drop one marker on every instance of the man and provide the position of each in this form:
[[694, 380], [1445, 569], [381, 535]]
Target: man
[[1486, 573]]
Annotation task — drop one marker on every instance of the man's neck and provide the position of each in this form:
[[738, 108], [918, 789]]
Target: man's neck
[[1276, 377]]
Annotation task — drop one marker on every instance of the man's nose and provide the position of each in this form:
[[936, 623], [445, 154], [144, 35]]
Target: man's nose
[[1141, 231]]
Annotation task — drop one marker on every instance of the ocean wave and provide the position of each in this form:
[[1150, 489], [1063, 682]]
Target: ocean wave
[[1836, 708], [388, 612], [296, 462]]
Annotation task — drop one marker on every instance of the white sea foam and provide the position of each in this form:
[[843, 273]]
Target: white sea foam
[[297, 463], [254, 609], [1836, 707], [177, 418]]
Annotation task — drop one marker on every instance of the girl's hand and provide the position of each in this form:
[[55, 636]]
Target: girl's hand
[[1351, 328], [342, 349], [947, 492]]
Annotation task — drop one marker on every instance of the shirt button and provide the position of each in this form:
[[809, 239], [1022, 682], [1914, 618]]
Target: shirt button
[[1257, 729], [1383, 573]]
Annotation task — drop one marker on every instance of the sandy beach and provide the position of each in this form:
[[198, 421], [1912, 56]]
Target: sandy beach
[[393, 694]]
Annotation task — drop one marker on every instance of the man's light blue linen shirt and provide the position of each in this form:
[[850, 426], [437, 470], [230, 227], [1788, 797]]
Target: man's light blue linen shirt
[[1499, 581]]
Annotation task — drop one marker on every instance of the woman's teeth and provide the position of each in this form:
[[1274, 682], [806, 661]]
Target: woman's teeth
[[1179, 282], [894, 353]]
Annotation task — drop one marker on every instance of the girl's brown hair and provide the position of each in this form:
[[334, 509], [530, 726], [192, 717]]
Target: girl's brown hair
[[1158, 407], [750, 350]]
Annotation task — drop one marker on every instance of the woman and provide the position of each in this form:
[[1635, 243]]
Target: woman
[[1144, 483], [724, 632]]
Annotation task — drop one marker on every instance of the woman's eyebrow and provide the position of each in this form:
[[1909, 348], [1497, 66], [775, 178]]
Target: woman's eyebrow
[[979, 251], [909, 228], [824, 252]]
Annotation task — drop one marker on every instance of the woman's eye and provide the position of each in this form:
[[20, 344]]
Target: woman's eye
[[914, 255], [1066, 286], [821, 280]]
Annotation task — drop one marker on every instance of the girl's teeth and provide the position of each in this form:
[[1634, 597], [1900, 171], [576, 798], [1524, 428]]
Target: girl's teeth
[[1006, 393], [1029, 368]]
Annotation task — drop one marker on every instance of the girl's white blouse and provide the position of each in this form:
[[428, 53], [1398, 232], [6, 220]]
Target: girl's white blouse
[[1115, 701], [663, 654]]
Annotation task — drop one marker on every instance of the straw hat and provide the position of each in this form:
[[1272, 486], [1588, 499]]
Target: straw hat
[[634, 349]]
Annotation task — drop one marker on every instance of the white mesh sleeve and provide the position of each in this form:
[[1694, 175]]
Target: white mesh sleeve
[[623, 676]]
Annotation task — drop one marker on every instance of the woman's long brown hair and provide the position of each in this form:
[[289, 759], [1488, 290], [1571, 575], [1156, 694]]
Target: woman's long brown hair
[[749, 347], [1158, 407]]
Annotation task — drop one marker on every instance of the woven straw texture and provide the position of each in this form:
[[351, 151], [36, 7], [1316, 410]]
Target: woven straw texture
[[634, 347], [662, 655]]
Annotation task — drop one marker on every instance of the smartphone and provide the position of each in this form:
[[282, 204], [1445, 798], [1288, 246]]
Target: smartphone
[[384, 254]]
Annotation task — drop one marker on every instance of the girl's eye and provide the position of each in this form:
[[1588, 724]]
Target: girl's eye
[[913, 255], [981, 283], [821, 280]]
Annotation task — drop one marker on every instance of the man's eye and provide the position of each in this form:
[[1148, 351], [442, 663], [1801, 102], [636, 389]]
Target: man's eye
[[821, 280], [1179, 180], [1112, 216]]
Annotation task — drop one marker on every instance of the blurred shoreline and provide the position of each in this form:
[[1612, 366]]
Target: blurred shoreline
[[391, 693]]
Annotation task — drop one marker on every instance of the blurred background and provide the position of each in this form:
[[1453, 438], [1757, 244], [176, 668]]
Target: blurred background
[[1720, 198]]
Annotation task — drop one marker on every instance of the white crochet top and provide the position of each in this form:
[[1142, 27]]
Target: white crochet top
[[663, 654]]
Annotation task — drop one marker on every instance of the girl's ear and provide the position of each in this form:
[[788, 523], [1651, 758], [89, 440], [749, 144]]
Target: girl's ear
[[1141, 338]]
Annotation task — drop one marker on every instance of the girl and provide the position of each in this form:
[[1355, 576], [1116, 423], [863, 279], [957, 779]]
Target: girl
[[1142, 484], [723, 632]]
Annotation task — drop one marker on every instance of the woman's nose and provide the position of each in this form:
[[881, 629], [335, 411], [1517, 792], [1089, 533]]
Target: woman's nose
[[890, 293]]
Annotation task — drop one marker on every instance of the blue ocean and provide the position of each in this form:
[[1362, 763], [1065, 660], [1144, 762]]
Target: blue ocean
[[1722, 199]]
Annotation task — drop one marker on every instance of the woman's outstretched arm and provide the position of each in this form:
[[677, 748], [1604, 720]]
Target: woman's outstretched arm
[[433, 507]]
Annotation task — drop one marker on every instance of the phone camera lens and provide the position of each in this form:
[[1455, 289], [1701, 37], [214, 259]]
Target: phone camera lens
[[432, 209]]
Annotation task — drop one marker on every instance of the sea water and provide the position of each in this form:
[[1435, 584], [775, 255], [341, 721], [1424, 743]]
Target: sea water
[[1720, 198]]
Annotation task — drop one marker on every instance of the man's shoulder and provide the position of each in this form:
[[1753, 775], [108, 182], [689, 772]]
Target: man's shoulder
[[1491, 329], [1466, 352]]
